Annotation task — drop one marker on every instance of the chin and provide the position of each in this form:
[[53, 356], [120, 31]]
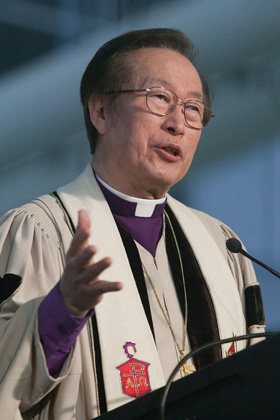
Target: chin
[[162, 178], [162, 184]]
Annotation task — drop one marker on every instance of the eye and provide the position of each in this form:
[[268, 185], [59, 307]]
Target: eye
[[159, 101], [192, 107], [161, 97]]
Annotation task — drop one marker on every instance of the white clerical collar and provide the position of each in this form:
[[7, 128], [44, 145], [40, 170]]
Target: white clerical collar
[[144, 207]]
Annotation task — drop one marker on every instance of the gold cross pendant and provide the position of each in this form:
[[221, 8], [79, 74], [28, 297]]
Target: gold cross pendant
[[187, 368]]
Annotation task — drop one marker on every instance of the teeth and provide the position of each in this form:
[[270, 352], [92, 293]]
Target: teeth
[[172, 152]]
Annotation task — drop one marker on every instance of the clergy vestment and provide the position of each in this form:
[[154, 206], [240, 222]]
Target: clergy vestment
[[33, 242]]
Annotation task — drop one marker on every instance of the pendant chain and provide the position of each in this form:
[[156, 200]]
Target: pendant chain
[[186, 367]]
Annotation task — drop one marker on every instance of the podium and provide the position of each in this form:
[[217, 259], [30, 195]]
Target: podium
[[243, 386]]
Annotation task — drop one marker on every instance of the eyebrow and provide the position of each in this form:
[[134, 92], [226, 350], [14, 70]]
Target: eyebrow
[[197, 95], [165, 83]]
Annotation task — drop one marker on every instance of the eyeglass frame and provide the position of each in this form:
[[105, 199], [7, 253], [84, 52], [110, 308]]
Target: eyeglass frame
[[181, 102]]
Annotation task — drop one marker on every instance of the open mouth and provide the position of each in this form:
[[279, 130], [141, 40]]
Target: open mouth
[[173, 152]]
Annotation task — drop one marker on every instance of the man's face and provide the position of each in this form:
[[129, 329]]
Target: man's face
[[139, 153]]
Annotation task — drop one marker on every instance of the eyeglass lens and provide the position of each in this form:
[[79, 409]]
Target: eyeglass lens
[[162, 101]]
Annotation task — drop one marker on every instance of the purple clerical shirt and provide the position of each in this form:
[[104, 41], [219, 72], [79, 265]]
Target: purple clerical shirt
[[145, 230], [58, 328]]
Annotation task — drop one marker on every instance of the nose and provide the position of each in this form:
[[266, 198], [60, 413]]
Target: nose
[[174, 122]]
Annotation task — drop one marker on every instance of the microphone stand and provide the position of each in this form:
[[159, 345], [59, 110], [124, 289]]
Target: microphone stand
[[198, 350]]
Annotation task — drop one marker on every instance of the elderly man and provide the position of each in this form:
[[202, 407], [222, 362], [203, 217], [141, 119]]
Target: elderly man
[[70, 347]]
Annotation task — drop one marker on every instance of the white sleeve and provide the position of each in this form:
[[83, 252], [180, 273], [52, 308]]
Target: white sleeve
[[30, 265]]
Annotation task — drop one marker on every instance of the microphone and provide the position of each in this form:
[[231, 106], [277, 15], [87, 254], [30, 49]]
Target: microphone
[[234, 245]]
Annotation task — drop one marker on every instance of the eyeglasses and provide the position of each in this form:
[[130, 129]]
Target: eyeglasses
[[161, 101]]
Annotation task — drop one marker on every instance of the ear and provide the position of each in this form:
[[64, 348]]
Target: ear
[[96, 113]]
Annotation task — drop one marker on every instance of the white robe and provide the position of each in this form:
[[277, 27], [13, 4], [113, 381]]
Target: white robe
[[33, 247]]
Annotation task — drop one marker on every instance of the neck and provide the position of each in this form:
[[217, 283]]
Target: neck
[[142, 207], [126, 186]]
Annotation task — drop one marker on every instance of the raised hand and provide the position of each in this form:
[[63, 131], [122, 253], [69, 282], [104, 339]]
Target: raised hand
[[80, 285]]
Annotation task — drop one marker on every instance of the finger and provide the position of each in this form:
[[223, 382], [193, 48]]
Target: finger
[[93, 295], [84, 258], [83, 220], [82, 234], [103, 286], [94, 271], [79, 242]]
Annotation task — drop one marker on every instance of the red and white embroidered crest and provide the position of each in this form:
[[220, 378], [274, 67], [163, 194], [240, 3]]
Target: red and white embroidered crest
[[134, 374]]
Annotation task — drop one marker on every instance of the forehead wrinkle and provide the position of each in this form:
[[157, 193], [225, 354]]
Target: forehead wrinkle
[[157, 82]]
